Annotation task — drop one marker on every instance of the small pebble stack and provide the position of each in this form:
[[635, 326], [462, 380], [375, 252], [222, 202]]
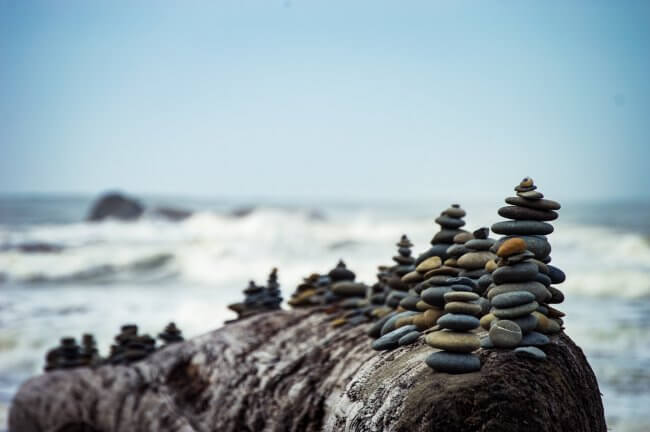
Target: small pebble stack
[[66, 356], [89, 351], [450, 221], [273, 295], [530, 213], [398, 277], [130, 347], [259, 298], [456, 339], [171, 334]]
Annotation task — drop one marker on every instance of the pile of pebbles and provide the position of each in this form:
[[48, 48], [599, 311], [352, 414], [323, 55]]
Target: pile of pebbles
[[259, 298], [171, 334]]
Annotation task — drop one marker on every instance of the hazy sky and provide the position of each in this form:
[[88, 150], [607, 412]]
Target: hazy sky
[[325, 99]]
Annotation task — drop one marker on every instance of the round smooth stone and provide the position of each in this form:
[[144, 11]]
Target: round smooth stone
[[526, 182], [479, 244], [522, 228], [557, 276], [556, 296], [422, 306], [462, 296], [461, 281], [526, 323], [525, 189], [404, 321], [511, 299], [349, 289], [435, 295], [542, 204], [517, 258], [525, 213], [453, 341], [522, 272], [461, 288], [481, 233], [534, 339], [463, 237], [450, 262], [490, 266], [391, 339], [511, 246], [442, 271], [458, 322], [409, 303], [463, 308], [404, 260], [475, 260], [531, 352], [449, 222], [394, 297], [505, 334], [412, 277], [455, 212], [516, 311], [457, 250], [484, 282], [389, 326], [543, 279], [486, 343], [543, 309], [409, 338], [429, 264], [533, 195], [487, 320], [474, 274], [445, 235], [375, 330], [538, 245], [453, 363]]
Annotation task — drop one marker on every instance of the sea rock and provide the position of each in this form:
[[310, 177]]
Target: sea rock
[[453, 363], [505, 334], [116, 206], [516, 311], [522, 227], [475, 260]]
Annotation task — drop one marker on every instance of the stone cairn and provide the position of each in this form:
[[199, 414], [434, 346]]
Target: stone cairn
[[130, 346], [477, 254], [529, 213], [450, 222], [171, 334], [349, 295], [404, 264], [456, 339], [65, 356], [258, 298], [89, 351]]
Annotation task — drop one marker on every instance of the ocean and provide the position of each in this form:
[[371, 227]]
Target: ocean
[[61, 275]]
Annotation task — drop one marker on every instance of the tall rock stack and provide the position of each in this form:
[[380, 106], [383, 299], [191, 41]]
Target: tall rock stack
[[273, 296], [130, 346], [404, 265], [450, 221], [259, 298], [456, 339], [65, 356], [529, 213]]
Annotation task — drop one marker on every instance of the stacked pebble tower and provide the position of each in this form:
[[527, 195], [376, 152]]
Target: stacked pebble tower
[[450, 222], [171, 334], [456, 339], [515, 297], [404, 265], [65, 356], [89, 351], [130, 347], [478, 254], [259, 298], [529, 213]]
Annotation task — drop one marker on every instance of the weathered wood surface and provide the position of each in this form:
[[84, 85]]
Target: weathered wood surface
[[290, 371]]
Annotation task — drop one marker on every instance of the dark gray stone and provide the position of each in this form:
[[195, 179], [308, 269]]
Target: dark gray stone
[[525, 213], [543, 279], [389, 326], [445, 236], [527, 323], [409, 303], [534, 338], [542, 204], [409, 338], [511, 299], [449, 222], [515, 311], [522, 227], [531, 352], [434, 295], [454, 363], [391, 339], [556, 295], [480, 244], [461, 281], [457, 250], [557, 276], [458, 322], [521, 272]]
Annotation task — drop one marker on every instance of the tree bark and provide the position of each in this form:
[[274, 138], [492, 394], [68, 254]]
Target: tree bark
[[291, 371]]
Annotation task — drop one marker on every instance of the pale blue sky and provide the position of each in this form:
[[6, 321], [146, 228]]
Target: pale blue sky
[[372, 99]]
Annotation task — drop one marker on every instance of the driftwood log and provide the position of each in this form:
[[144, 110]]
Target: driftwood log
[[291, 371]]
